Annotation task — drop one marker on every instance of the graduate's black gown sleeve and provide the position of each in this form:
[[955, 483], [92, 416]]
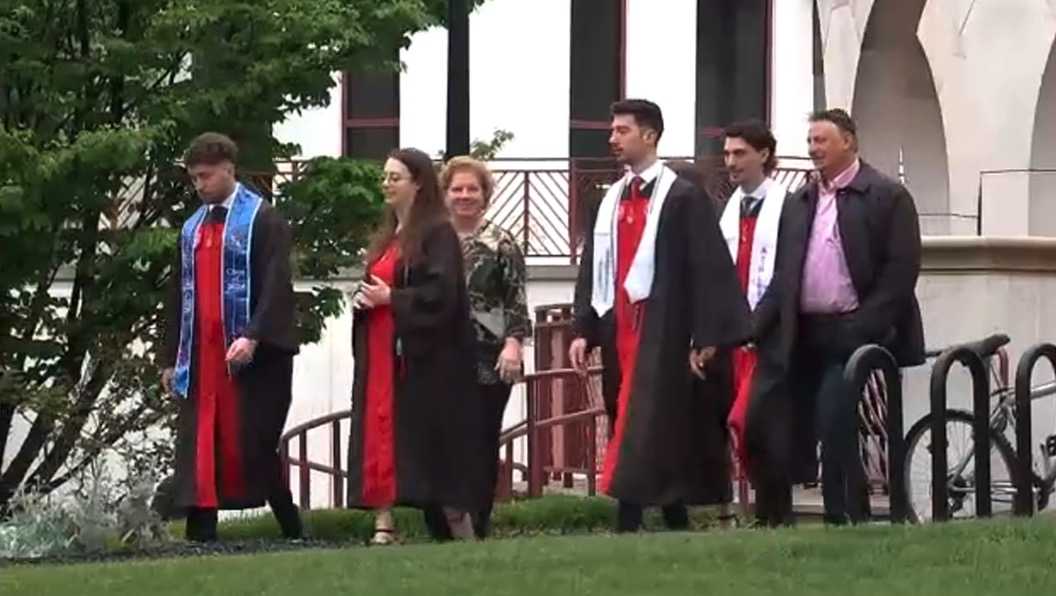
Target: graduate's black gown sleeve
[[170, 343], [585, 321], [721, 315], [272, 322], [429, 302]]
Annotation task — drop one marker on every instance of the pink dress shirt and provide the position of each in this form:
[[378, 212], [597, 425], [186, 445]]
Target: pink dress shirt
[[827, 286]]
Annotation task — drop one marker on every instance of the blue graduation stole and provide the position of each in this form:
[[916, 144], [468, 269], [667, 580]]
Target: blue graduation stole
[[235, 265]]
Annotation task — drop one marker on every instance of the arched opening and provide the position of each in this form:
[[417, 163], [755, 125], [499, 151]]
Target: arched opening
[[1043, 156], [898, 112]]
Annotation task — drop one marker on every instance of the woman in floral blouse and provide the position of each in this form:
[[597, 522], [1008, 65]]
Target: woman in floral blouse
[[495, 276]]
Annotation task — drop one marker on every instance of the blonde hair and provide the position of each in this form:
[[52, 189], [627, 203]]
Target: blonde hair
[[464, 163]]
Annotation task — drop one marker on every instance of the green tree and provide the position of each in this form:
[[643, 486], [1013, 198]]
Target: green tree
[[98, 98]]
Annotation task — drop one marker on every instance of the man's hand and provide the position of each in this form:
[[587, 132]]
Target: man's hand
[[510, 361], [167, 376], [577, 353], [699, 359], [241, 351]]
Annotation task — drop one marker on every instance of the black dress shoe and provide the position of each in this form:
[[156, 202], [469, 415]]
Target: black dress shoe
[[836, 520], [201, 525], [290, 523]]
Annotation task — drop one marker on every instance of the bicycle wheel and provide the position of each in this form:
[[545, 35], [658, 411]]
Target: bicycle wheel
[[960, 446]]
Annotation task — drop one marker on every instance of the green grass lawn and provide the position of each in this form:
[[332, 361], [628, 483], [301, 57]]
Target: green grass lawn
[[554, 514], [1004, 558]]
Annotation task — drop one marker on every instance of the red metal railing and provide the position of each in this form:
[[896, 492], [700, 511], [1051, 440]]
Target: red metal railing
[[565, 429], [568, 446], [543, 463], [542, 201], [305, 466], [537, 429]]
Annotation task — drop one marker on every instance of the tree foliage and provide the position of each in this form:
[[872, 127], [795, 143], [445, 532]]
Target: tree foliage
[[98, 98]]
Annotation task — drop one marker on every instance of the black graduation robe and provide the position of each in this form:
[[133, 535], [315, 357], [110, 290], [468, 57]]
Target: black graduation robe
[[675, 446], [264, 385], [437, 419]]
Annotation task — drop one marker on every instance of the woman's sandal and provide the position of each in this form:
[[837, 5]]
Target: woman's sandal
[[383, 537]]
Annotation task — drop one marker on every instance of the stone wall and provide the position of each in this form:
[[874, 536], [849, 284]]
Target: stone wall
[[956, 95]]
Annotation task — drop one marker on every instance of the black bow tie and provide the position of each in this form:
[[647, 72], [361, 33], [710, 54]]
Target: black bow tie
[[217, 214]]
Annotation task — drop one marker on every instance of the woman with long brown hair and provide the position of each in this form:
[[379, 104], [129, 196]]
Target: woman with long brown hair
[[414, 412]]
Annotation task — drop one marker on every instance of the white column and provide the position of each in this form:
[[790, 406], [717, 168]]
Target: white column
[[423, 92], [791, 79], [842, 28], [661, 66], [1006, 204], [519, 75]]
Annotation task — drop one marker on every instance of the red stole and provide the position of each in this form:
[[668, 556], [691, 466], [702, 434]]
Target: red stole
[[744, 360], [631, 215], [218, 453], [379, 439]]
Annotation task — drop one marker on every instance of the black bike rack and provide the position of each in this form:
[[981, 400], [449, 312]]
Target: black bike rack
[[861, 365], [1024, 501], [980, 428]]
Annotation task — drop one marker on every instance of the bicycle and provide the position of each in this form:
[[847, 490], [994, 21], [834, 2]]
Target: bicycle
[[960, 456]]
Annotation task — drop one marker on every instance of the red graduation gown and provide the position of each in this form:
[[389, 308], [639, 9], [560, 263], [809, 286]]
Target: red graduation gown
[[432, 406], [228, 429], [632, 215], [744, 360], [379, 451], [674, 445], [218, 454]]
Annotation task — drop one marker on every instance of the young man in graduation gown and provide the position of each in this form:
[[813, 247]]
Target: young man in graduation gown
[[749, 225], [656, 282], [230, 345], [848, 257]]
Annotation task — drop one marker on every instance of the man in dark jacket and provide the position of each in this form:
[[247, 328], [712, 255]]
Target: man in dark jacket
[[848, 258]]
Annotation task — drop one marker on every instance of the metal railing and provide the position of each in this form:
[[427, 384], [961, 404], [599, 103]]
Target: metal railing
[[542, 201], [980, 430], [540, 459], [565, 430], [1024, 503], [880, 405], [306, 466], [537, 428], [994, 197]]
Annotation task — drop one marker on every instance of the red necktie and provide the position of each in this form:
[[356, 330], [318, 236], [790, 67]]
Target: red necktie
[[636, 189]]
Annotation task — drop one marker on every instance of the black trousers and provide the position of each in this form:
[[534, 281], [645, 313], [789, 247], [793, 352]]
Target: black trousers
[[629, 515], [773, 503], [826, 345], [494, 398], [201, 522], [771, 436], [813, 404]]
